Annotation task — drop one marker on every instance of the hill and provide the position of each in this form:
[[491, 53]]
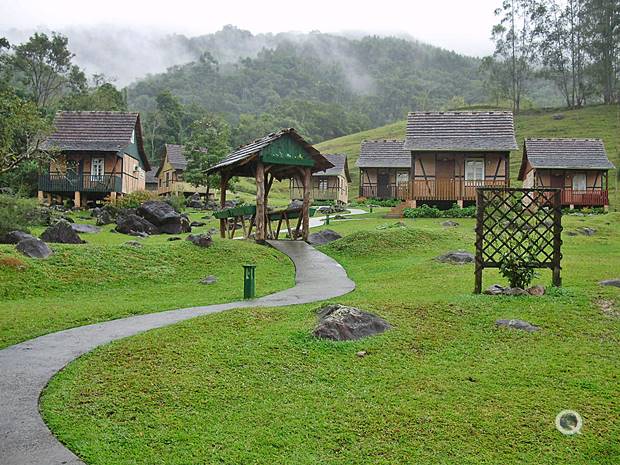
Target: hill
[[595, 121]]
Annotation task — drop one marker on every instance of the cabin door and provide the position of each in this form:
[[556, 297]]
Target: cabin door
[[444, 178], [557, 181], [383, 184]]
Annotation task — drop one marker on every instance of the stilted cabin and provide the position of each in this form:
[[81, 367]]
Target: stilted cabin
[[453, 153], [170, 173], [384, 167], [100, 155], [329, 184], [579, 167]]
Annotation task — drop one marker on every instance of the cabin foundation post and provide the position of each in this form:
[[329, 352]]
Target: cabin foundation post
[[306, 204], [572, 207], [606, 208], [77, 199], [84, 203], [223, 186], [260, 202], [40, 196], [49, 199], [460, 203], [113, 197]]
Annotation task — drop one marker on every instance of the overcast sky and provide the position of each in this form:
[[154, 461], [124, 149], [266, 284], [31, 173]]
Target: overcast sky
[[460, 25]]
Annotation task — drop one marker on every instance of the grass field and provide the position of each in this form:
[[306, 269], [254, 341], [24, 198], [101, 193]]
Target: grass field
[[594, 122], [443, 386], [106, 279]]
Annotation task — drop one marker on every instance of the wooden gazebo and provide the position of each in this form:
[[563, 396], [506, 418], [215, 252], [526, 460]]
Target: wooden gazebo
[[279, 155]]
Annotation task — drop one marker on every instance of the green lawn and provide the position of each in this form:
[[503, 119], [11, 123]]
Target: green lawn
[[594, 122], [444, 386], [106, 279]]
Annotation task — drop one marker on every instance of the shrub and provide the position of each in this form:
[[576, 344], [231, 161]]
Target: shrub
[[135, 199], [17, 213], [516, 260], [424, 211], [177, 202]]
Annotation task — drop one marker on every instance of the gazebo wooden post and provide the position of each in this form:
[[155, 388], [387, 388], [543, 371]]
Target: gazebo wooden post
[[306, 204], [223, 187], [260, 202]]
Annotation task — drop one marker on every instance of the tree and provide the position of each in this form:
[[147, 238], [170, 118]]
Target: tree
[[208, 143], [44, 65], [514, 38], [22, 132], [102, 96]]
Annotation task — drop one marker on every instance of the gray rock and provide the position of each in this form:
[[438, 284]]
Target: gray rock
[[515, 291], [449, 224], [61, 233], [558, 116], [134, 244], [34, 248], [201, 240], [571, 233], [158, 213], [517, 324], [95, 212], [138, 234], [129, 224], [197, 224], [323, 237], [174, 238], [537, 290], [14, 237], [586, 231], [342, 323], [495, 289], [104, 217], [85, 228], [208, 280], [458, 257], [610, 282]]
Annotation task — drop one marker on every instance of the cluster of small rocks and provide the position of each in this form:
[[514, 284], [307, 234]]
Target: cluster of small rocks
[[584, 231], [330, 209], [497, 289], [518, 324]]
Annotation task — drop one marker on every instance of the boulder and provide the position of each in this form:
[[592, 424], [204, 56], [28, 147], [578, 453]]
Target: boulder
[[34, 248], [158, 213], [67, 218], [208, 280], [458, 257], [201, 240], [131, 223], [537, 290], [85, 228], [495, 289], [61, 233], [104, 217], [517, 324], [610, 282], [558, 116], [571, 233], [449, 224], [515, 291], [139, 234], [323, 237], [586, 231], [14, 237], [197, 224], [342, 323], [195, 202], [95, 212]]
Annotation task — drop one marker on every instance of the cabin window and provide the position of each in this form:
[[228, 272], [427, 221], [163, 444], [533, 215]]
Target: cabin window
[[323, 184], [579, 182], [97, 168], [474, 169], [133, 136], [402, 177]]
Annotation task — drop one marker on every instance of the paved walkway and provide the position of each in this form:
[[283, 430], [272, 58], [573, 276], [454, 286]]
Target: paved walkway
[[26, 368]]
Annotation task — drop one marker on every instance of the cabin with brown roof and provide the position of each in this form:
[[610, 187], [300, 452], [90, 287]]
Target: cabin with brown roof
[[170, 173], [453, 153], [329, 184], [98, 154], [384, 167], [580, 167]]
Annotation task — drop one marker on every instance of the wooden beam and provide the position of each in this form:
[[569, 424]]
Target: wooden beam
[[260, 202], [223, 187], [306, 205]]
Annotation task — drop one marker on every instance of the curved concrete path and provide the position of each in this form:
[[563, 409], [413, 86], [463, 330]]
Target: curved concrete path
[[26, 368]]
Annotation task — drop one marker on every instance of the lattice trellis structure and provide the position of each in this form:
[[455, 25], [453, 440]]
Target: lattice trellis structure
[[526, 223]]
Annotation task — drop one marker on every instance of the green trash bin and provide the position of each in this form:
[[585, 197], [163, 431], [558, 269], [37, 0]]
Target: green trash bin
[[249, 281]]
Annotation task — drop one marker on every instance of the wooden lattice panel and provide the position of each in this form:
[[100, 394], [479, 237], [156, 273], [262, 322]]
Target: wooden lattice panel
[[524, 222]]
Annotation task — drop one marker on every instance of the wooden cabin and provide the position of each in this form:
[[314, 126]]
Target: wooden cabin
[[453, 153], [329, 184], [384, 167], [580, 167], [152, 182], [100, 154], [170, 173]]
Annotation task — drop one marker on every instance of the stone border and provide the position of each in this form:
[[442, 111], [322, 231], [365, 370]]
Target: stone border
[[26, 368]]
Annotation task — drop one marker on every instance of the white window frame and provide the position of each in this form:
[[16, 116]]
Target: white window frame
[[323, 184], [468, 174], [133, 136], [97, 169], [584, 178]]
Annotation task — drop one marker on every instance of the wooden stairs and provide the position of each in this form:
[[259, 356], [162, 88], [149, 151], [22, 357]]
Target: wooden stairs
[[397, 211]]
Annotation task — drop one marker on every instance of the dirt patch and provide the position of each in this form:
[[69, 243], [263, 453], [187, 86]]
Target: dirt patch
[[608, 307]]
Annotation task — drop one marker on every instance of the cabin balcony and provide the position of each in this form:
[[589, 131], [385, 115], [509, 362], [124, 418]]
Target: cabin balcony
[[429, 189], [587, 198], [56, 182]]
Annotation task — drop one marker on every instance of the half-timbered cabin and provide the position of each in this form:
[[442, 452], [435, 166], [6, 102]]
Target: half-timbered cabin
[[170, 173], [579, 167], [97, 155], [329, 184], [385, 168], [453, 153]]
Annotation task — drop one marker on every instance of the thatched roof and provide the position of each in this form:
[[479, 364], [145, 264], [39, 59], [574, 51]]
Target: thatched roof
[[462, 131]]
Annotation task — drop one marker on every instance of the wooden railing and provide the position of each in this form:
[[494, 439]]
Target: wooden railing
[[391, 191], [80, 183], [585, 198], [431, 189], [331, 193]]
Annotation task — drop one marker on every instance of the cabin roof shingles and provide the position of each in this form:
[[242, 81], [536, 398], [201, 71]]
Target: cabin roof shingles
[[105, 131], [339, 160], [566, 154], [176, 157], [467, 131], [387, 153]]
